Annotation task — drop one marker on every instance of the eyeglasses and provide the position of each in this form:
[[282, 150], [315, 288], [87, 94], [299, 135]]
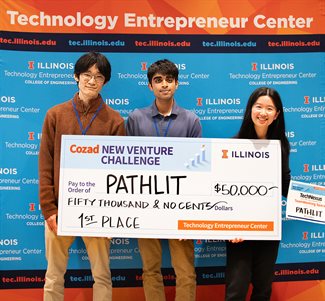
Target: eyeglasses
[[88, 77]]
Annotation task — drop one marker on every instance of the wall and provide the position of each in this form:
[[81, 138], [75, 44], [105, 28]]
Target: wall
[[253, 43]]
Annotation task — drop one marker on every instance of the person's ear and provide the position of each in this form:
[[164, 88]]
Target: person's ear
[[150, 86], [276, 115], [76, 78]]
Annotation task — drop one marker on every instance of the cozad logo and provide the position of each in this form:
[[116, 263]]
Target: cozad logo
[[242, 154], [79, 149], [313, 167], [32, 65], [313, 99], [272, 66]]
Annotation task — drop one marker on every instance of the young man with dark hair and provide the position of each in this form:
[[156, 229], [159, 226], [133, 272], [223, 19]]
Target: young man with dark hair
[[165, 118], [85, 114]]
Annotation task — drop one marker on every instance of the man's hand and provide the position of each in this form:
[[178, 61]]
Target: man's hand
[[52, 224], [236, 240]]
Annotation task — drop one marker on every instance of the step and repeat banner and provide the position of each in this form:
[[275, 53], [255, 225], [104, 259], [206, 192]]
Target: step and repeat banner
[[224, 50]]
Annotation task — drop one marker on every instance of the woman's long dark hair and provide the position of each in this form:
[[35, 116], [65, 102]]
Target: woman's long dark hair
[[276, 129]]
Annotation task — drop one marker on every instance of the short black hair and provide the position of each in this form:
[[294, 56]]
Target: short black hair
[[89, 59], [163, 67]]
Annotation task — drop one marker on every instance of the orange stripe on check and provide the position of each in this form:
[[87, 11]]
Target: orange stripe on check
[[319, 188], [225, 225]]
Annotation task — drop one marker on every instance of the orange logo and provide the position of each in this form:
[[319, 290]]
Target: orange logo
[[31, 65], [31, 206], [224, 154], [305, 235], [254, 66], [306, 167], [31, 135], [84, 149], [143, 66]]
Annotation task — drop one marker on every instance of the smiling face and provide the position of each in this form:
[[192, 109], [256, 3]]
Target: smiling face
[[90, 83], [263, 114], [163, 87]]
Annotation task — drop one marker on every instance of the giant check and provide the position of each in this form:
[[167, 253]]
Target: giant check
[[155, 187]]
